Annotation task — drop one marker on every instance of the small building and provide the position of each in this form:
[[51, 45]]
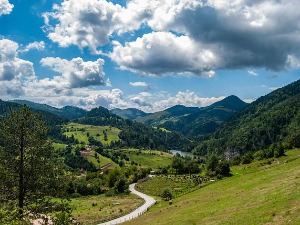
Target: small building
[[152, 173]]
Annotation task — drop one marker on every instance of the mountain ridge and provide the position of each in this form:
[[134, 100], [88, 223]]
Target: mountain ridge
[[271, 119]]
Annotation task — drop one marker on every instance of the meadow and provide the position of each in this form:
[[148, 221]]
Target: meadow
[[82, 132], [148, 158], [263, 192], [95, 209], [178, 185]]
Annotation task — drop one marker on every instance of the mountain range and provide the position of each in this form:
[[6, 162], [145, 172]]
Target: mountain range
[[227, 124], [193, 122]]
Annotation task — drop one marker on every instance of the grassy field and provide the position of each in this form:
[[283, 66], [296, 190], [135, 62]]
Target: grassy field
[[103, 160], [178, 185], [264, 192], [95, 209], [58, 146], [146, 158], [94, 131]]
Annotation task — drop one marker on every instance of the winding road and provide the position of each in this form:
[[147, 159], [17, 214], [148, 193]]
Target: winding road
[[149, 201]]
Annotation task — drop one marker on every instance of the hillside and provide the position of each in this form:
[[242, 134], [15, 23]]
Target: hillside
[[50, 118], [264, 192], [157, 118], [274, 118], [67, 112], [130, 114], [207, 120], [133, 134], [195, 122]]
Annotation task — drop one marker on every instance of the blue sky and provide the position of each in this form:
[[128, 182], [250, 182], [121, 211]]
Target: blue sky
[[149, 55]]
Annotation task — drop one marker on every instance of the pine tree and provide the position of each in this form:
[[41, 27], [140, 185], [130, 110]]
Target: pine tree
[[30, 171]]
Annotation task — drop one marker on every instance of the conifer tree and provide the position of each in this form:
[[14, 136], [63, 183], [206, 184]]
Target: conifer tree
[[30, 171]]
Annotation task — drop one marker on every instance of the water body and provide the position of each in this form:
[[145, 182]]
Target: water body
[[183, 154]]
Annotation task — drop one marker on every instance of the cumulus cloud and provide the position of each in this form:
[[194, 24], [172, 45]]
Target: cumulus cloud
[[13, 70], [160, 53], [246, 33], [39, 46], [144, 101], [86, 23], [106, 98], [5, 7], [75, 73], [139, 84], [238, 34], [160, 101]]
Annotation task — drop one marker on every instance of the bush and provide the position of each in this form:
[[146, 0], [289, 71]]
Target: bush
[[247, 158], [167, 194]]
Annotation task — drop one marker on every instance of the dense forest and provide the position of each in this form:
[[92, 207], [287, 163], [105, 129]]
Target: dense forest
[[271, 119]]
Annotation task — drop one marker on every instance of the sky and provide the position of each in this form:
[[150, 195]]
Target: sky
[[149, 55]]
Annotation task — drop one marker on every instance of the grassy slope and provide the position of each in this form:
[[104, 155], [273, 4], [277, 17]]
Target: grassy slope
[[58, 146], [94, 209], [112, 132], [103, 160], [256, 194], [153, 159], [156, 185]]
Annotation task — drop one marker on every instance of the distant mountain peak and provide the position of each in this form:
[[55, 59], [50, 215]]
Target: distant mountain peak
[[130, 113], [232, 102]]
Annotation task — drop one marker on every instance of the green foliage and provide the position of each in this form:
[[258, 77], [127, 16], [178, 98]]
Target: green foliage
[[247, 158], [167, 194], [76, 161], [272, 119], [30, 170], [64, 215], [121, 185], [216, 166]]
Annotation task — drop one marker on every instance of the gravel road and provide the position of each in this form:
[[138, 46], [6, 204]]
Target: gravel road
[[149, 201]]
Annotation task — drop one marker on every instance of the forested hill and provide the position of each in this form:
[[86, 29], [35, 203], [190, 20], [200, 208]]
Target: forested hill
[[67, 112], [274, 118], [49, 118], [135, 134], [206, 121], [195, 122], [130, 114], [157, 118]]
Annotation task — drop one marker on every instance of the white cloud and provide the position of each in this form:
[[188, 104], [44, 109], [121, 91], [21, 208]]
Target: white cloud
[[39, 46], [161, 53], [88, 23], [91, 23], [239, 33], [5, 7], [139, 84], [252, 73], [162, 100], [75, 73], [14, 72], [109, 99]]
